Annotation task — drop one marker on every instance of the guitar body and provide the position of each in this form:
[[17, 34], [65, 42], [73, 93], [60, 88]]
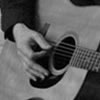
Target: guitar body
[[74, 84], [85, 23]]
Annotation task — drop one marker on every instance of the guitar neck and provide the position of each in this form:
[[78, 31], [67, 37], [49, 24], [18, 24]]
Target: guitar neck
[[86, 59]]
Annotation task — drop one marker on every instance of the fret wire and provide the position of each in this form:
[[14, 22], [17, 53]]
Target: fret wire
[[80, 58], [77, 55], [73, 58], [76, 59], [71, 61], [90, 50], [96, 61], [85, 63], [83, 59], [99, 61], [89, 60], [92, 60], [96, 56]]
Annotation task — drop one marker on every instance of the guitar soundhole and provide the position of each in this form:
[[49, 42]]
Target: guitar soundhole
[[63, 53], [49, 80], [59, 62]]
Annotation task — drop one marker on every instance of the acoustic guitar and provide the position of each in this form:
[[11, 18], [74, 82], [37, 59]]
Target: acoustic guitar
[[73, 62]]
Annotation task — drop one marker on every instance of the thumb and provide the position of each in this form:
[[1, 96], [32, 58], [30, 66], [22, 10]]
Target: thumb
[[23, 35]]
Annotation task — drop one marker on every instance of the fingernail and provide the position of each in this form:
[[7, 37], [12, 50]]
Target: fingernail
[[42, 76], [34, 79], [46, 73], [49, 46]]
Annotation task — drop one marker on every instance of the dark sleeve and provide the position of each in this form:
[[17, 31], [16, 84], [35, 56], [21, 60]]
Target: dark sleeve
[[97, 2], [19, 11], [83, 3]]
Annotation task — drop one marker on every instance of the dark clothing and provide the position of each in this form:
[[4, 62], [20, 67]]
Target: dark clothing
[[23, 11], [26, 11], [19, 11], [85, 3]]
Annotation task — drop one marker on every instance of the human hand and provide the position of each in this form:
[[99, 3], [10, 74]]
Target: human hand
[[23, 35]]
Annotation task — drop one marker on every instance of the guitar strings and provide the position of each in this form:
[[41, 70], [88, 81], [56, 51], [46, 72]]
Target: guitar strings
[[44, 31], [64, 48], [82, 61], [72, 46], [65, 53], [81, 57]]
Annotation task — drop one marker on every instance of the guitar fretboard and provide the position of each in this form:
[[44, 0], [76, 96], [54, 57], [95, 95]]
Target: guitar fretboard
[[86, 59]]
